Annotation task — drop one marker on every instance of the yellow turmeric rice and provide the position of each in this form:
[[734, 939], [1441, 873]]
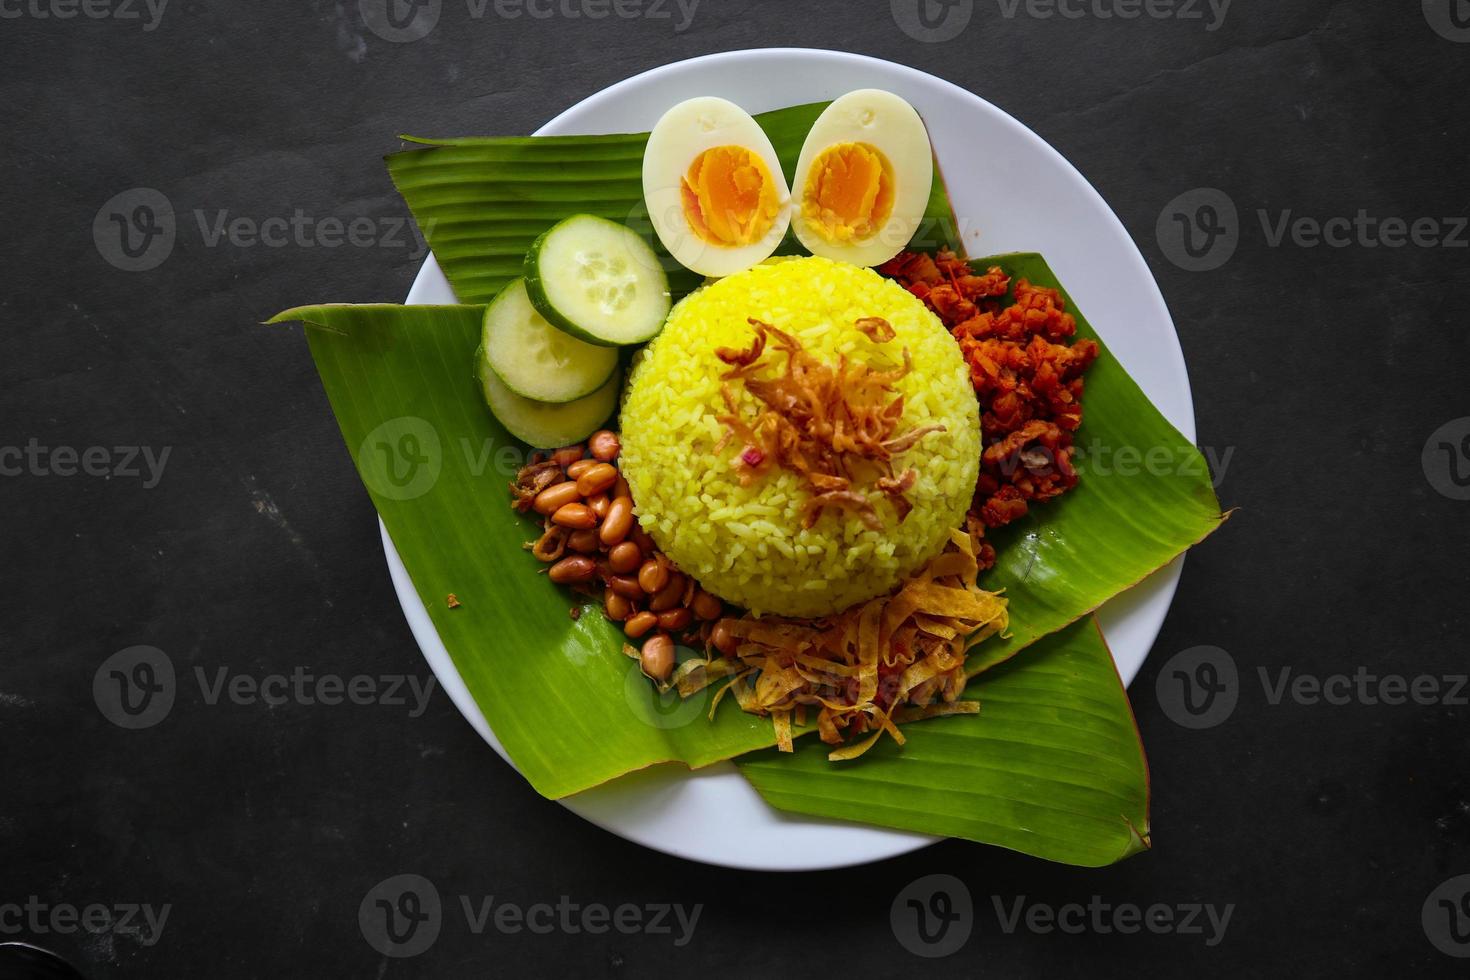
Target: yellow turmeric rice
[[747, 543]]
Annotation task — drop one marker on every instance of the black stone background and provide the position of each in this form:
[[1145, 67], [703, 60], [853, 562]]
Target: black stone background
[[1326, 369]]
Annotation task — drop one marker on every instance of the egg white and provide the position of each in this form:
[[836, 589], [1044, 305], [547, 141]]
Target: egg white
[[684, 132], [890, 125]]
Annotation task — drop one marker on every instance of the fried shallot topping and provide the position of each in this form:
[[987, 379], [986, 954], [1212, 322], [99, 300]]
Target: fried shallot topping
[[835, 426], [893, 659], [531, 480]]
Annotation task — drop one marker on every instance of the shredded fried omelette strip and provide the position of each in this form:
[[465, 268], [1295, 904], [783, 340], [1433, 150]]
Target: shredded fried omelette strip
[[836, 426], [897, 658]]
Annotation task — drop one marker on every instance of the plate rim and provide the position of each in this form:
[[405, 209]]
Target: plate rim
[[885, 842]]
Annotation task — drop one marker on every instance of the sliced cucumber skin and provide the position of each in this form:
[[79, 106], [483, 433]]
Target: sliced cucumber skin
[[497, 359], [536, 289], [546, 425]]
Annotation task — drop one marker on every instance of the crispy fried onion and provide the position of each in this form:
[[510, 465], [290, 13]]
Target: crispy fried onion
[[834, 426], [897, 658], [531, 480]]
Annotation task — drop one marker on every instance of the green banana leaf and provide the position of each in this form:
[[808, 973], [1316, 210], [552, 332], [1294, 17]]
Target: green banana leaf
[[566, 704], [1051, 766], [569, 708], [1058, 564], [480, 201], [1120, 523]]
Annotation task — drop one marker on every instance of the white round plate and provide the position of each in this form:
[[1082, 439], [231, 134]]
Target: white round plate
[[1011, 192]]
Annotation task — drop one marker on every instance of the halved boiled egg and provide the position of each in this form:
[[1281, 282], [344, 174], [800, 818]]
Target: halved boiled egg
[[863, 179], [714, 187]]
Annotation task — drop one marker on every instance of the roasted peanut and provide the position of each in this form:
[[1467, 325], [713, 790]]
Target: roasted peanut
[[624, 558], [596, 478], [657, 656], [722, 639], [620, 489], [579, 467], [626, 586], [706, 606], [617, 522], [641, 538], [604, 445], [675, 619], [566, 456], [669, 596], [653, 576], [599, 504], [555, 497], [640, 623], [618, 608], [575, 516], [577, 568], [584, 541]]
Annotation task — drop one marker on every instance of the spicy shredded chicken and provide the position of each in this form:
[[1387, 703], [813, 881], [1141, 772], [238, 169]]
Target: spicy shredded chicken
[[835, 426], [1027, 375], [894, 659]]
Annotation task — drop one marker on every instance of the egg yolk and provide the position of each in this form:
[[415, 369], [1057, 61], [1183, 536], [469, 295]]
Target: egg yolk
[[849, 193], [729, 196]]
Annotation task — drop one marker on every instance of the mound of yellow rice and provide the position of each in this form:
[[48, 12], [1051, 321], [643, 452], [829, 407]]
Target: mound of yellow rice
[[747, 544]]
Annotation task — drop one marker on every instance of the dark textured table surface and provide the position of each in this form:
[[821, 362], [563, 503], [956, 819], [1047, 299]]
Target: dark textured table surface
[[1327, 369]]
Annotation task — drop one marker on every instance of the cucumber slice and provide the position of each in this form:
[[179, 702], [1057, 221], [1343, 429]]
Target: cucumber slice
[[599, 281], [536, 360], [546, 425]]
